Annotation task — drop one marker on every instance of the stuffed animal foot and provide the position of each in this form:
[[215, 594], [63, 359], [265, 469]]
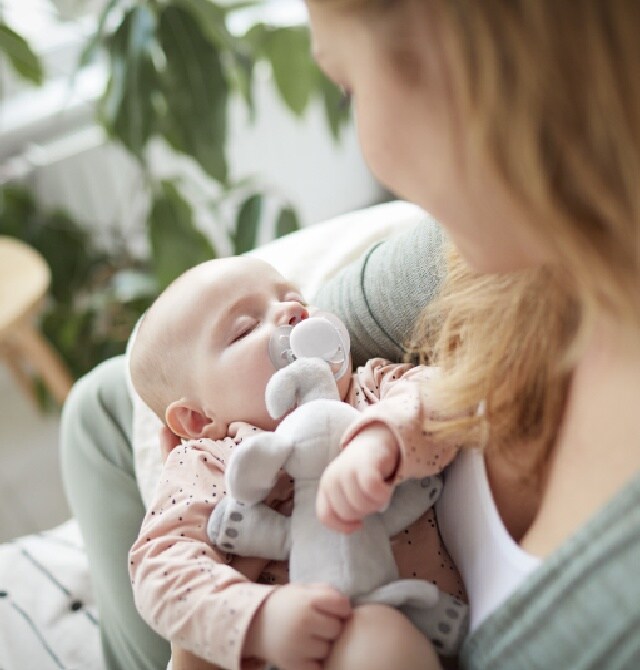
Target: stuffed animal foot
[[445, 624], [249, 530], [225, 528], [416, 592], [439, 616]]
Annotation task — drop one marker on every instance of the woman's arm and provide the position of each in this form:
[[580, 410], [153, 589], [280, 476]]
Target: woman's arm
[[101, 487], [380, 296]]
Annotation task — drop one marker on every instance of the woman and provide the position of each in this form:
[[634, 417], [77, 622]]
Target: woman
[[517, 125]]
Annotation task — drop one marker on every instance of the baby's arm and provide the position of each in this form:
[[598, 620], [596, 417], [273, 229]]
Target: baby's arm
[[183, 587], [295, 628], [357, 482], [386, 446]]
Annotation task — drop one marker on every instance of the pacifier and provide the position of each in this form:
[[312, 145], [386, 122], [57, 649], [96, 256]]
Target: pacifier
[[322, 335]]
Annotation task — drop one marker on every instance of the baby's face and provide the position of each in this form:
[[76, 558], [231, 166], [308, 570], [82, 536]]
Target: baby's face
[[238, 305]]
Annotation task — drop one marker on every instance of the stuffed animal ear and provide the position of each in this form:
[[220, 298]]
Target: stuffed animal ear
[[304, 380], [253, 467]]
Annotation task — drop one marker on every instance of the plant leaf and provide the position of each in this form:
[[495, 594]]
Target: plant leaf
[[20, 55], [212, 21], [230, 7], [17, 212], [287, 221], [126, 109], [288, 51], [195, 90], [176, 244], [97, 36], [247, 224], [241, 75], [69, 253]]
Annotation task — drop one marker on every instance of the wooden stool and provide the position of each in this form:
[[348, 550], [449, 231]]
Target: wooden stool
[[24, 282]]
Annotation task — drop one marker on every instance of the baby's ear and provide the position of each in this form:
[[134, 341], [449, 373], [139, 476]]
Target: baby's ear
[[191, 422]]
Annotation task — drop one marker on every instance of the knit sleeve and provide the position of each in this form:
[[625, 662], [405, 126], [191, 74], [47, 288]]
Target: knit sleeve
[[380, 296]]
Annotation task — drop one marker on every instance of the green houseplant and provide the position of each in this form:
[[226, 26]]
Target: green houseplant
[[172, 67]]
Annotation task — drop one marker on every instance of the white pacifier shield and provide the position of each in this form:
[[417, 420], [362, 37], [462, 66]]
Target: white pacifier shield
[[315, 337], [320, 336]]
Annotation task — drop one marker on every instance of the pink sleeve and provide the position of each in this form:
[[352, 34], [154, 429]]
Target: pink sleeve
[[398, 404], [183, 588]]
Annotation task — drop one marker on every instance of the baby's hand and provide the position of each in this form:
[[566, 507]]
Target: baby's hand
[[296, 626], [240, 429], [355, 484]]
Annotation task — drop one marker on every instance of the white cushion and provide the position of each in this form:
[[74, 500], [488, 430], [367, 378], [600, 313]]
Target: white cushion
[[48, 614]]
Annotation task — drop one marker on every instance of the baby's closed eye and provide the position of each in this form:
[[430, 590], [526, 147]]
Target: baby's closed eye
[[243, 328]]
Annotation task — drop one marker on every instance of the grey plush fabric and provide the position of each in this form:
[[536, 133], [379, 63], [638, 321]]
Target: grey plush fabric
[[380, 296], [359, 564]]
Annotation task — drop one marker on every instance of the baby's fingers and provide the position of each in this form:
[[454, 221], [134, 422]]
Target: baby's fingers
[[331, 507], [374, 489], [332, 603], [330, 519], [332, 611], [328, 628], [317, 649], [240, 429], [363, 496]]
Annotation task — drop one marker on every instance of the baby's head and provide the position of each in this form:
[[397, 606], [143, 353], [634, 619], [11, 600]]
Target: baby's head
[[200, 358]]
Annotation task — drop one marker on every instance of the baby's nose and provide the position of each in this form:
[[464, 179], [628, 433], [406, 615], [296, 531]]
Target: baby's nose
[[290, 313]]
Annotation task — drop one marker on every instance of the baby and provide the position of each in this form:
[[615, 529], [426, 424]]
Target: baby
[[201, 360]]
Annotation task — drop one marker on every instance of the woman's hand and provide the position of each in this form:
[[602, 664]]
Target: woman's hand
[[355, 484]]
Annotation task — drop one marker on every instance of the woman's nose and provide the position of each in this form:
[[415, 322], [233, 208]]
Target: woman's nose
[[290, 313]]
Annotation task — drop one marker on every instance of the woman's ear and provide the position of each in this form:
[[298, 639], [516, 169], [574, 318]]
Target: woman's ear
[[191, 422]]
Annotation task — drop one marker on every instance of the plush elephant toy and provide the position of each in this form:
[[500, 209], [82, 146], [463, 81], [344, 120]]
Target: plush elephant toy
[[360, 564]]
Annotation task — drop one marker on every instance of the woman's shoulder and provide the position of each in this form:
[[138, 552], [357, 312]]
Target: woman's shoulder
[[381, 294]]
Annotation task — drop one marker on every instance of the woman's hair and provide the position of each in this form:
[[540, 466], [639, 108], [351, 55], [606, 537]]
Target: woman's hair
[[505, 344], [550, 92]]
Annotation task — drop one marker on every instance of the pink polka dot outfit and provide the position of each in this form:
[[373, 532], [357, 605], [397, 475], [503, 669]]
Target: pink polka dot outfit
[[203, 599]]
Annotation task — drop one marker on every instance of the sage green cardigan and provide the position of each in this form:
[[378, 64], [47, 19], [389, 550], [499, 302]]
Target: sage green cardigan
[[581, 607]]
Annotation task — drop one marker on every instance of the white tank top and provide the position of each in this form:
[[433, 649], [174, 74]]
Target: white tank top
[[492, 565]]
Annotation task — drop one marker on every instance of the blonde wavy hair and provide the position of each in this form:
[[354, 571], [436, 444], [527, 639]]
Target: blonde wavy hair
[[552, 91]]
